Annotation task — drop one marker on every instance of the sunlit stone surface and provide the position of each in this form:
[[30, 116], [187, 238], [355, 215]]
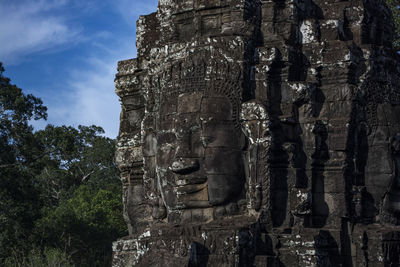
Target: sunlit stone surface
[[261, 133]]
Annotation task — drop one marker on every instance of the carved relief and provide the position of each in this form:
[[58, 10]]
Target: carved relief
[[393, 201], [259, 133]]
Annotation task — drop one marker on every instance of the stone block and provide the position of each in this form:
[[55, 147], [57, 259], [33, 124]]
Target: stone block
[[331, 29], [377, 183], [308, 32], [338, 137], [335, 51], [306, 114], [150, 163], [335, 74], [189, 103], [135, 117], [218, 108], [340, 110], [334, 93], [379, 136], [268, 11], [336, 203], [210, 25], [307, 136], [150, 145], [336, 162], [167, 123], [126, 156], [290, 259], [392, 115], [268, 32], [126, 127], [133, 102], [202, 4], [378, 160], [334, 182], [169, 106]]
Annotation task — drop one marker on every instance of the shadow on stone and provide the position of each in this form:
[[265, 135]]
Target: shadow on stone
[[345, 244], [327, 250], [320, 209], [391, 249], [198, 255]]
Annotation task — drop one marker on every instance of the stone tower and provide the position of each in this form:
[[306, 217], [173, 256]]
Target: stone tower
[[261, 133]]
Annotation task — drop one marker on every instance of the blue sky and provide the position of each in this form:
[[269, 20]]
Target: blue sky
[[66, 53]]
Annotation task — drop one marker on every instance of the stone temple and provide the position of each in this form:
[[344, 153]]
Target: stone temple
[[261, 133]]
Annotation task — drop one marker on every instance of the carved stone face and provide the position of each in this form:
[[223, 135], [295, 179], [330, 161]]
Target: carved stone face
[[199, 151]]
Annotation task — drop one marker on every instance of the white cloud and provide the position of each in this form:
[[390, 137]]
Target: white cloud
[[27, 27], [95, 101], [131, 9], [89, 96], [86, 95]]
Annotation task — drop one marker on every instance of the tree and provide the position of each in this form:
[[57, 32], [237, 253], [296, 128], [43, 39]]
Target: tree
[[75, 157], [60, 193], [84, 225], [19, 199], [80, 184]]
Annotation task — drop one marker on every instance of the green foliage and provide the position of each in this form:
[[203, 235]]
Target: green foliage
[[76, 156], [60, 194], [394, 7], [84, 224], [79, 184], [19, 199], [48, 257]]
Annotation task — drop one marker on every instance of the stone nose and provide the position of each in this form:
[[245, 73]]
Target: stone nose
[[184, 166]]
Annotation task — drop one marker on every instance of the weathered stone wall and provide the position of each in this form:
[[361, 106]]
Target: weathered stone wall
[[261, 133]]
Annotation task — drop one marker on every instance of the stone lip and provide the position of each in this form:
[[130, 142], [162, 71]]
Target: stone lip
[[190, 188], [184, 166]]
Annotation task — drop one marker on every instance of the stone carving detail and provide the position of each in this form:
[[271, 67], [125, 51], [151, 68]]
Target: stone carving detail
[[199, 148], [391, 249], [393, 195], [261, 133]]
